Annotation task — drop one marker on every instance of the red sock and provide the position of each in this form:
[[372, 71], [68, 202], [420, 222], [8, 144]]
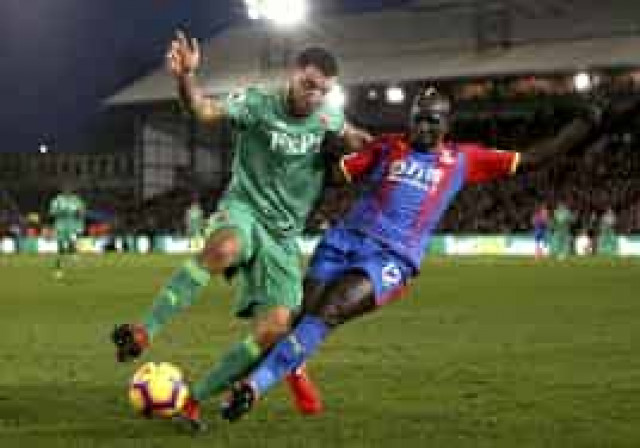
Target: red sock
[[191, 409], [140, 335]]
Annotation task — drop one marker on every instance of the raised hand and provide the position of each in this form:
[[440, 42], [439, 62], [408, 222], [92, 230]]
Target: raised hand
[[183, 55]]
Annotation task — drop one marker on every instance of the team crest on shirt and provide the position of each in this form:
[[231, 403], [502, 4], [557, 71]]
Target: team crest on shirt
[[447, 157], [324, 120], [391, 274]]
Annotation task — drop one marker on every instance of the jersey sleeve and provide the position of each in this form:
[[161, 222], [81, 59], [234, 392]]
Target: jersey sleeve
[[358, 164], [242, 106], [485, 164]]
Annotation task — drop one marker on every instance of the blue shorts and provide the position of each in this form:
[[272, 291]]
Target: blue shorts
[[342, 250], [540, 236]]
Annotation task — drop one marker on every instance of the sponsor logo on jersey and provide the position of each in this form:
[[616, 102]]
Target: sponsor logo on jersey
[[415, 174], [447, 157], [294, 144], [324, 120]]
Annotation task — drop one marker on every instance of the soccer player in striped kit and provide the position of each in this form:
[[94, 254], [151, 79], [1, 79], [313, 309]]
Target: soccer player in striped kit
[[367, 259], [540, 227]]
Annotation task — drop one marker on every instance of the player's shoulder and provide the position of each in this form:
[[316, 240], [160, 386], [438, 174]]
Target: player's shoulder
[[331, 117], [250, 94], [330, 110], [260, 91], [464, 147]]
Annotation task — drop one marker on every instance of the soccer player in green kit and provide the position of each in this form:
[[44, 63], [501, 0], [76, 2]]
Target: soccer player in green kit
[[607, 239], [68, 211], [277, 175], [561, 231], [194, 223]]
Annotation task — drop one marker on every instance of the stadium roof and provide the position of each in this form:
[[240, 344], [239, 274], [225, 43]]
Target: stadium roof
[[414, 43], [62, 59]]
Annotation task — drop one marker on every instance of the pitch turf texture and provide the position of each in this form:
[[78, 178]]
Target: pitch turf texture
[[482, 353]]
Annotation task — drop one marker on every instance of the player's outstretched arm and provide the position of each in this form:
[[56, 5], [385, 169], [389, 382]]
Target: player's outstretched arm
[[569, 136], [599, 116], [183, 59]]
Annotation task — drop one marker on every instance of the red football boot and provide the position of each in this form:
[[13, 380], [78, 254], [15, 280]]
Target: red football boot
[[189, 416], [306, 395]]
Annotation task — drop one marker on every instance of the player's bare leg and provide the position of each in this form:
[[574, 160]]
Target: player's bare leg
[[221, 251]]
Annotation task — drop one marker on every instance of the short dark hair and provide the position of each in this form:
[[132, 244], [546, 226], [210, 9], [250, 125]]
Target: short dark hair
[[319, 58]]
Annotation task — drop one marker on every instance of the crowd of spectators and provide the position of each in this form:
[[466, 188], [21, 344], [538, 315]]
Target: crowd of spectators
[[590, 179], [603, 174]]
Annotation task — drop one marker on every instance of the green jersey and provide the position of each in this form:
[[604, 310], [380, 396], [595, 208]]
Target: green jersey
[[194, 220], [68, 211], [562, 219], [608, 222], [278, 168]]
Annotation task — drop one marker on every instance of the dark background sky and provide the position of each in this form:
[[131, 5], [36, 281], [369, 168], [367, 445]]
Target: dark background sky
[[61, 58]]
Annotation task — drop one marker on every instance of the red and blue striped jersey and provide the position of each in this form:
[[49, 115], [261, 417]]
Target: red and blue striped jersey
[[541, 219], [412, 189]]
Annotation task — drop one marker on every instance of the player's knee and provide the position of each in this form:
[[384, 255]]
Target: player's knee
[[220, 252], [266, 337], [352, 298], [271, 328], [331, 314]]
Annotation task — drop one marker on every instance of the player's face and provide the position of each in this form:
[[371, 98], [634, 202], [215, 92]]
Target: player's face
[[308, 90], [428, 132], [429, 119]]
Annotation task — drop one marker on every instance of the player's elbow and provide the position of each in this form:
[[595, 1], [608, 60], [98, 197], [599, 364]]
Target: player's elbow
[[209, 115]]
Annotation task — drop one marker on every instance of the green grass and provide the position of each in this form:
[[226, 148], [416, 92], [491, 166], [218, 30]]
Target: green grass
[[482, 353]]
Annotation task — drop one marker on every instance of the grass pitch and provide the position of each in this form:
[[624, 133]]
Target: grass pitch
[[482, 353]]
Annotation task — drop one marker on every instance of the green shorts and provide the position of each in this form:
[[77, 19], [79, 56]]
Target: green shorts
[[66, 237], [268, 268], [195, 232], [66, 233]]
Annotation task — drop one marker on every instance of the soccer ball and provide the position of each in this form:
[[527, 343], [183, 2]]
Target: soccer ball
[[158, 389]]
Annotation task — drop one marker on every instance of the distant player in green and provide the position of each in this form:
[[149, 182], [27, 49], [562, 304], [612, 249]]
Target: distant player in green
[[561, 231], [68, 212], [277, 175], [194, 223], [607, 239]]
